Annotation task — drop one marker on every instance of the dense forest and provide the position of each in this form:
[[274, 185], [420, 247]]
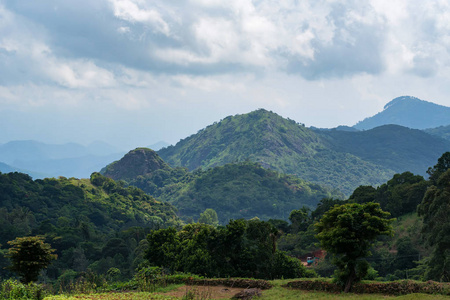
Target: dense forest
[[93, 223], [235, 190]]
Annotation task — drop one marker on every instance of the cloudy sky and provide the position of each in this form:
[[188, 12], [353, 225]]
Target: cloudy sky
[[134, 72]]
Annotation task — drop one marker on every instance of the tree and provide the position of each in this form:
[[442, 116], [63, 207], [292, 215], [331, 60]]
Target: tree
[[442, 166], [435, 211], [347, 232], [209, 216], [29, 255]]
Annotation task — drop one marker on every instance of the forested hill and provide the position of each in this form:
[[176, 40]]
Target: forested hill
[[277, 143], [235, 190], [409, 112], [391, 146], [78, 216]]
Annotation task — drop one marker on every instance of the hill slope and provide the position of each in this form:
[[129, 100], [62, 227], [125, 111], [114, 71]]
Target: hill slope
[[275, 143], [409, 112], [237, 190], [391, 146], [441, 131]]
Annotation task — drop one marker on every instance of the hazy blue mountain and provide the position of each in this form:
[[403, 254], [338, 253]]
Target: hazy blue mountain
[[159, 145], [409, 112], [51, 160], [4, 168], [441, 131]]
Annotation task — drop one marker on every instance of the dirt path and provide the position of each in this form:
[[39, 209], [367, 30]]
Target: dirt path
[[205, 292]]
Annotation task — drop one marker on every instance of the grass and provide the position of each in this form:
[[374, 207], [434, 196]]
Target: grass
[[276, 293]]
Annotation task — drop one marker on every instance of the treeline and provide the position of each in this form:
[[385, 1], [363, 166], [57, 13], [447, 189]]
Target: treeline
[[239, 249]]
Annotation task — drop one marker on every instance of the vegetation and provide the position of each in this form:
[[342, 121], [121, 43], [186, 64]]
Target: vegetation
[[348, 232], [29, 255], [241, 249], [435, 210], [280, 144], [92, 223], [233, 191]]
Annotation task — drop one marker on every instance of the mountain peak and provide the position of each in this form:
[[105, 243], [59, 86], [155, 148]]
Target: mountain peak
[[139, 161], [410, 112]]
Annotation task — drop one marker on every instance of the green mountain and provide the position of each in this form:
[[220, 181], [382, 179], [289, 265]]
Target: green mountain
[[276, 143], [390, 146], [79, 217], [409, 112], [239, 190]]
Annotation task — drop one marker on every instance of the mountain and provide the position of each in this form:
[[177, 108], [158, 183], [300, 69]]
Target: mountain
[[137, 162], [235, 190], [338, 158], [69, 160], [391, 146], [441, 131], [4, 168], [277, 143], [409, 112], [159, 145]]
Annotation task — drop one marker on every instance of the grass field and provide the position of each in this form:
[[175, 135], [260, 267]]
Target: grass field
[[276, 293]]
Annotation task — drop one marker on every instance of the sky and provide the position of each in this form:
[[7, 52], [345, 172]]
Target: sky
[[135, 72]]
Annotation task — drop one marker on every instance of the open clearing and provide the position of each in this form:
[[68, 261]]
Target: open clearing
[[223, 292]]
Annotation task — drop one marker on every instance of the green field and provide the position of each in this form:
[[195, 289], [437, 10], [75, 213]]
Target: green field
[[276, 293]]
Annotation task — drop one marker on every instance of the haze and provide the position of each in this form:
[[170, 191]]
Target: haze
[[134, 72]]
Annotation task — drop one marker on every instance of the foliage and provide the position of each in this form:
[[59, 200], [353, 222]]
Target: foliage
[[403, 287], [12, 289], [241, 249], [92, 223], [209, 216], [29, 255], [347, 232], [435, 210]]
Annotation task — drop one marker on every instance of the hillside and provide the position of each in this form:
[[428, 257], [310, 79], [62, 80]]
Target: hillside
[[277, 143], [244, 190], [78, 216], [391, 146], [409, 112], [238, 190], [441, 131]]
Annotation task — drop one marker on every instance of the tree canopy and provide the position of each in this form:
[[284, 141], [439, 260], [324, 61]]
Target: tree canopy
[[347, 232]]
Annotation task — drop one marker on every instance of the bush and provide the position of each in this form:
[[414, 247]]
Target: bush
[[396, 288], [12, 289]]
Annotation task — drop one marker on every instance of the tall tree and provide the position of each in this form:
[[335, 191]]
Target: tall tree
[[435, 210], [29, 255], [347, 232]]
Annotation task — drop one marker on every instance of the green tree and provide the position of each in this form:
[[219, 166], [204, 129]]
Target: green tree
[[29, 255], [435, 210], [209, 217], [442, 166], [348, 232]]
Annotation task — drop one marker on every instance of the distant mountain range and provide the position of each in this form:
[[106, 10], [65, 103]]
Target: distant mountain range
[[49, 160], [409, 112]]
